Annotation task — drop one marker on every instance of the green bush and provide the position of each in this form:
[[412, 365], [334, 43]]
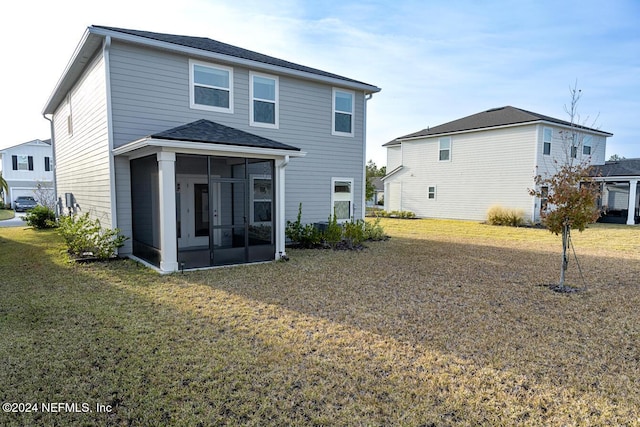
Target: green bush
[[396, 214], [333, 234], [85, 237], [349, 234], [41, 217], [498, 215]]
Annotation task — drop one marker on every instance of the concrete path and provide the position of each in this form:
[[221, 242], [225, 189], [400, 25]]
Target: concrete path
[[14, 222]]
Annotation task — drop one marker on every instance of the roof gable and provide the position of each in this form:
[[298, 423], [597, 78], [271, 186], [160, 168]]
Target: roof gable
[[495, 117]]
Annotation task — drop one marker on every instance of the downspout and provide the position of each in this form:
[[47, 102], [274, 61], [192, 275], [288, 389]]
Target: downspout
[[281, 252], [112, 172], [58, 207], [367, 97]]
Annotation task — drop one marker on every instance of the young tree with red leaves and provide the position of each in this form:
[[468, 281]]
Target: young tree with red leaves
[[571, 193]]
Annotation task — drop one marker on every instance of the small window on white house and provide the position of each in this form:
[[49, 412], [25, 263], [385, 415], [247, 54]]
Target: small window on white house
[[547, 135], [444, 149], [342, 121], [264, 98], [211, 87], [47, 164], [431, 192], [342, 198], [586, 145], [574, 151], [22, 163]]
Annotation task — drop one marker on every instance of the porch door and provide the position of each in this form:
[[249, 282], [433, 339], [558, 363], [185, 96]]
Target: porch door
[[194, 205]]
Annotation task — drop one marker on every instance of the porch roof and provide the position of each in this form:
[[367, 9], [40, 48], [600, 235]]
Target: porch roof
[[207, 135], [624, 167]]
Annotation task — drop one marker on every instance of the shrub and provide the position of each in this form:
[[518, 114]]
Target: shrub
[[333, 234], [373, 230], [41, 217], [498, 215], [85, 237], [354, 232], [306, 236]]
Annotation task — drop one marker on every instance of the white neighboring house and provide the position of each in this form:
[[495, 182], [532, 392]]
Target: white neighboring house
[[28, 170], [459, 169]]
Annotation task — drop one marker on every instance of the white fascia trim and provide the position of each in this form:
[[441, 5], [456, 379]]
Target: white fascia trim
[[393, 172], [180, 146], [232, 59], [616, 178], [545, 122]]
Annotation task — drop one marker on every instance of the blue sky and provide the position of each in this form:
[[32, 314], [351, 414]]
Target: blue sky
[[435, 61]]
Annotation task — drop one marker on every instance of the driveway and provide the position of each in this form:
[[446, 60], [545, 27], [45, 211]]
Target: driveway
[[17, 221]]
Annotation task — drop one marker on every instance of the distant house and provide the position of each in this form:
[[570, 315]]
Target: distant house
[[620, 193], [378, 194], [461, 168], [200, 151], [28, 170]]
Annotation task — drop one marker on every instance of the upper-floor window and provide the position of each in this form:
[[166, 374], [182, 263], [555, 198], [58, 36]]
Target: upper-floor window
[[22, 163], [47, 164], [264, 98], [574, 151], [444, 149], [547, 135], [211, 87], [342, 122], [586, 145]]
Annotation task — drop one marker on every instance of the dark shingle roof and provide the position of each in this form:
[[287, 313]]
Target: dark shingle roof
[[214, 133], [494, 117], [215, 46], [624, 167]]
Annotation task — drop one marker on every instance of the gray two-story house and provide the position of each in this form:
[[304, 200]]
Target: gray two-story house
[[200, 151]]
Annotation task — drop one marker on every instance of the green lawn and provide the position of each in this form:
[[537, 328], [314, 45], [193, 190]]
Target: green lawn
[[6, 214], [448, 323]]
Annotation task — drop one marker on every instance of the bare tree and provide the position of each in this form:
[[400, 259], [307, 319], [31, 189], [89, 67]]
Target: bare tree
[[571, 193], [43, 193]]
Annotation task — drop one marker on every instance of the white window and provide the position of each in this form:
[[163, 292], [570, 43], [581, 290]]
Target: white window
[[211, 87], [342, 121], [586, 145], [22, 163], [444, 149], [547, 135], [342, 198], [574, 151], [261, 199], [264, 99], [431, 192]]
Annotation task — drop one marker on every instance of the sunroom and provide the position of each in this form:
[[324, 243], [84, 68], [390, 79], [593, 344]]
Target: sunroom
[[206, 195]]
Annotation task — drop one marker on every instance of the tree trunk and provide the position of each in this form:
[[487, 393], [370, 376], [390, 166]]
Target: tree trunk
[[565, 260]]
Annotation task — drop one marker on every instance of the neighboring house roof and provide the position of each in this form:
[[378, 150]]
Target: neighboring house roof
[[192, 46], [215, 133], [624, 167], [35, 141], [377, 183], [495, 117]]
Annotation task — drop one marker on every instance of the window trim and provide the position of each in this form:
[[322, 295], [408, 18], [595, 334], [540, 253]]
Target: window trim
[[276, 102], [440, 149], [192, 86], [334, 199], [334, 132], [432, 195], [544, 142]]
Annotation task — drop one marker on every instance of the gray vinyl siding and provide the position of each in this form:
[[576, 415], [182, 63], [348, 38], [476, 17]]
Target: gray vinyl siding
[[123, 201], [82, 158], [150, 93]]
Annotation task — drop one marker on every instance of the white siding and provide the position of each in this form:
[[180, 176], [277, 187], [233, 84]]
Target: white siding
[[394, 157], [491, 167], [150, 93], [82, 157]]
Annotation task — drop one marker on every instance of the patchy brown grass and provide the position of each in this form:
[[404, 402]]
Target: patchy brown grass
[[445, 324]]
